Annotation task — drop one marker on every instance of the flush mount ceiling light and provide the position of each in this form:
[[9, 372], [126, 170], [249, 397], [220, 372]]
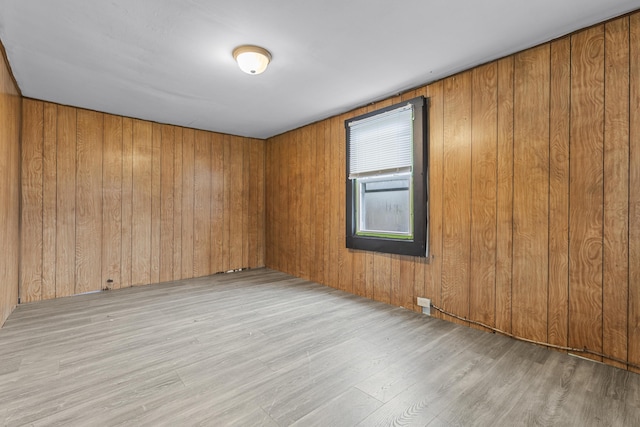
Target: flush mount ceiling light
[[252, 59]]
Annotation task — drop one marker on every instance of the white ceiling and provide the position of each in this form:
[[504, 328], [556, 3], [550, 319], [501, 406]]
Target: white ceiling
[[170, 61]]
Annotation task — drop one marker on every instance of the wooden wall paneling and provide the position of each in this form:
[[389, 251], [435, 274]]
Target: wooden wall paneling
[[334, 197], [127, 200], [217, 204], [586, 189], [271, 192], [326, 193], [359, 272], [281, 191], [167, 188], [250, 228], [313, 218], [177, 204], [236, 197], [396, 286], [188, 173], [284, 225], [66, 201], [31, 212], [504, 202], [484, 125], [616, 190], [436, 192], [227, 203], [304, 213], [202, 205], [531, 193], [262, 203], [156, 201], [246, 177], [293, 244], [406, 273], [49, 189], [142, 203], [633, 337], [112, 202], [10, 155], [456, 240], [89, 201], [258, 202], [382, 278], [560, 94]]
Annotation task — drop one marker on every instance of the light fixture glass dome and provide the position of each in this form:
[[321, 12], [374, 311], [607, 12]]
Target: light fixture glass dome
[[252, 59]]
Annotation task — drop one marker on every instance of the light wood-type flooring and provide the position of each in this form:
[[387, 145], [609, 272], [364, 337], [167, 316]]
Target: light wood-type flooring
[[261, 348]]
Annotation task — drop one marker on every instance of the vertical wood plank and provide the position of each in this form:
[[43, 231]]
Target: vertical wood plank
[[633, 334], [586, 189], [167, 165], [31, 212], [245, 201], [217, 204], [327, 236], [66, 202], [456, 240], [127, 199], [292, 167], [382, 278], [256, 204], [202, 205], [156, 201], [112, 202], [236, 196], [304, 211], [49, 190], [188, 173], [616, 190], [10, 192], [260, 202], [407, 278], [280, 203], [177, 204], [336, 128], [504, 203], [246, 187], [89, 201], [436, 190], [315, 233], [531, 193], [142, 184], [484, 122], [270, 203], [559, 192], [226, 230]]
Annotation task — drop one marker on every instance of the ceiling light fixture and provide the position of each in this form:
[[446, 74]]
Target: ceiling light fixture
[[252, 59]]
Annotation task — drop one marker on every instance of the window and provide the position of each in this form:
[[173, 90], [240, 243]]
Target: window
[[387, 179]]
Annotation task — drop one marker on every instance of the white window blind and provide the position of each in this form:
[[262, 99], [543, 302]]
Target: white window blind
[[382, 143]]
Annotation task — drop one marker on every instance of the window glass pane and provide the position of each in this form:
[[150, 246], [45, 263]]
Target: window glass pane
[[385, 206]]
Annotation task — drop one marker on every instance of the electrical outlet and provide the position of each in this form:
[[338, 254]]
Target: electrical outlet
[[425, 303]]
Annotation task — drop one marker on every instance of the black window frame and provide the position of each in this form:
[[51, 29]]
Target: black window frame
[[418, 246]]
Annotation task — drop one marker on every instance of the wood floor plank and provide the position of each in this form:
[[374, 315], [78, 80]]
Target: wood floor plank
[[260, 347]]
